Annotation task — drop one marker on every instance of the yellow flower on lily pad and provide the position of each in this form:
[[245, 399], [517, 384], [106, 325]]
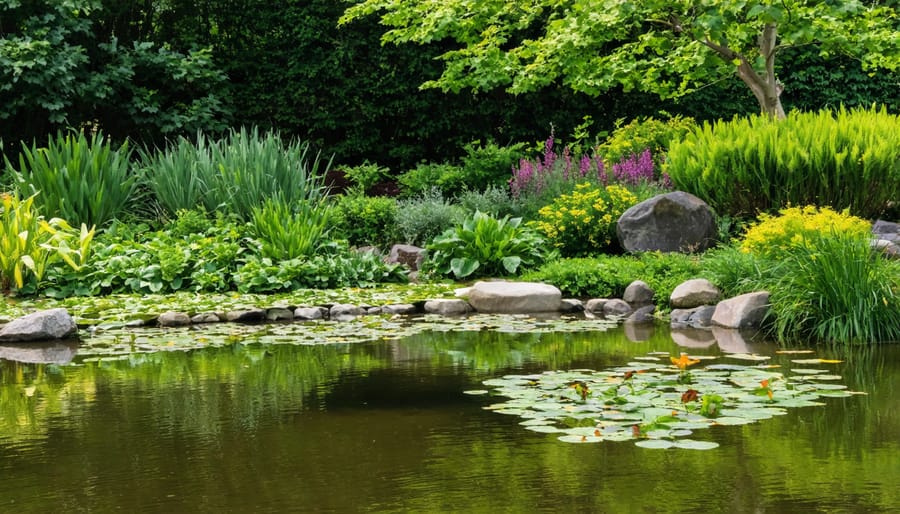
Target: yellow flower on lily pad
[[683, 361]]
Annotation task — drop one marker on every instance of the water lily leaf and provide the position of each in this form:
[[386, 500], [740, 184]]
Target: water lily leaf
[[816, 361], [790, 352], [656, 444], [476, 392], [580, 439], [747, 356], [690, 444], [824, 377]]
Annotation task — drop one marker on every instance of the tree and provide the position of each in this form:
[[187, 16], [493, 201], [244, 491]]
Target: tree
[[667, 47], [63, 64]]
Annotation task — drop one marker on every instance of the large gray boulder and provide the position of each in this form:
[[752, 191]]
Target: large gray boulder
[[694, 293], [502, 297], [638, 293], [744, 311], [40, 326], [673, 222], [173, 319]]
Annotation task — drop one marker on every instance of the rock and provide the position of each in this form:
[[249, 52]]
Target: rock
[[886, 231], [744, 311], [889, 249], [692, 337], [39, 353], [40, 326], [694, 293], [595, 305], [638, 293], [616, 307], [279, 314], [246, 316], [310, 313], [374, 310], [672, 222], [400, 308], [173, 319], [571, 305], [501, 297], [698, 317], [206, 317], [408, 255], [345, 310], [447, 307], [642, 315]]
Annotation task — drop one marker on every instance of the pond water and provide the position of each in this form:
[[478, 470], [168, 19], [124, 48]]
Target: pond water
[[385, 426]]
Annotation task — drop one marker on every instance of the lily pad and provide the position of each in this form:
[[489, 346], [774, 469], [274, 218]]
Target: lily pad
[[690, 444], [656, 444]]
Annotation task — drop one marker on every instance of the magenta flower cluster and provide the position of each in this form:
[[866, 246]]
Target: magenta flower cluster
[[635, 169], [530, 177]]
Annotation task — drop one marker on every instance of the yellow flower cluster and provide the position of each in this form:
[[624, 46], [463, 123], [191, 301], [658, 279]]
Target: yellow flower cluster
[[772, 235], [583, 222]]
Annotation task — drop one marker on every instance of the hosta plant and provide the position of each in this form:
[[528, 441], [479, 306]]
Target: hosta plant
[[486, 246]]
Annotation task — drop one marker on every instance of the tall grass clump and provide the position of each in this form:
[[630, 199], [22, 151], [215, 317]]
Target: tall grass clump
[[290, 231], [80, 179], [835, 289], [845, 160], [235, 174]]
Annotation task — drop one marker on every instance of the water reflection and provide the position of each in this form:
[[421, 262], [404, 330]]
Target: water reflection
[[384, 426]]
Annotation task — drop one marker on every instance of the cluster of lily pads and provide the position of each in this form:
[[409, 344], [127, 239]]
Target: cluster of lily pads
[[657, 401]]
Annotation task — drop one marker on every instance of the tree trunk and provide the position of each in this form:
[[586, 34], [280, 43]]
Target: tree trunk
[[764, 85]]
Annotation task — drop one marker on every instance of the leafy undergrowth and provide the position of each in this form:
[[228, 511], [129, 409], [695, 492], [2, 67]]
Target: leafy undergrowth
[[659, 405]]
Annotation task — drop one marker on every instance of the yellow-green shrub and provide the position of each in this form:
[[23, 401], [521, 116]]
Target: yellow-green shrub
[[794, 226], [842, 159], [584, 222]]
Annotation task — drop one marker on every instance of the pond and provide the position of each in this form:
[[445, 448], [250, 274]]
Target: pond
[[386, 426]]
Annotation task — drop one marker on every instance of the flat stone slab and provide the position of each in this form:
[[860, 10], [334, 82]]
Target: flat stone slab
[[502, 297], [447, 307]]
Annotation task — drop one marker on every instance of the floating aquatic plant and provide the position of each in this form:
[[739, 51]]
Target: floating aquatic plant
[[659, 405]]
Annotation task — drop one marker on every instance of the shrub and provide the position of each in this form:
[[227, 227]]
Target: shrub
[[237, 173], [774, 235], [844, 159], [79, 179], [445, 177], [493, 200], [487, 165], [584, 222], [366, 220], [30, 245], [486, 245], [289, 231], [422, 218], [365, 175], [607, 276], [643, 134]]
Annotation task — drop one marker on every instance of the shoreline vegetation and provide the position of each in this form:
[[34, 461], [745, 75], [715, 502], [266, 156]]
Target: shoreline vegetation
[[253, 213]]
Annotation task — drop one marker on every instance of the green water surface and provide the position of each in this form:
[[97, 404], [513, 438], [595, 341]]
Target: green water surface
[[385, 426]]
